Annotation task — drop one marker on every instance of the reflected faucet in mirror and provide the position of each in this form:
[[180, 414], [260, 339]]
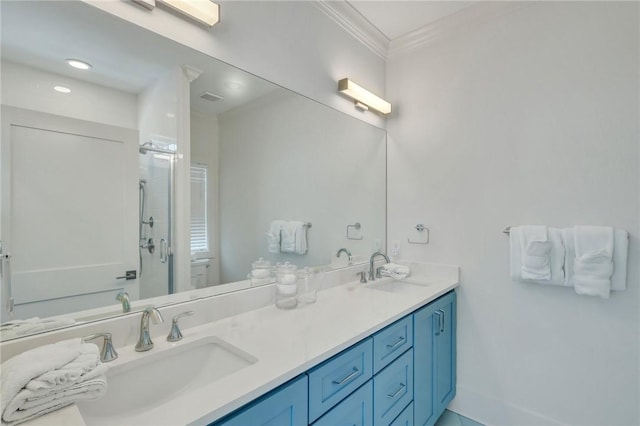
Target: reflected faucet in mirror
[[123, 297], [348, 253]]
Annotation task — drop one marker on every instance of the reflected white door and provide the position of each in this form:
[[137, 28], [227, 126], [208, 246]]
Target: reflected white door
[[69, 211]]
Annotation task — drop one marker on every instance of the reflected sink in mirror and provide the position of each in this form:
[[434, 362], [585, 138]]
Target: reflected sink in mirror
[[152, 379], [397, 286]]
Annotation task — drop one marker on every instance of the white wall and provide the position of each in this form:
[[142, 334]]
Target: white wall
[[30, 88], [286, 157], [291, 43], [531, 118], [204, 150]]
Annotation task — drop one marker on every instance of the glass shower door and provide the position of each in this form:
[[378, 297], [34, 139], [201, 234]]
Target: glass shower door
[[155, 221]]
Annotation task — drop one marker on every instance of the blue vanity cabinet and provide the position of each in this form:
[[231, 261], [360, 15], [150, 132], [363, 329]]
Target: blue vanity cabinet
[[285, 406], [435, 359]]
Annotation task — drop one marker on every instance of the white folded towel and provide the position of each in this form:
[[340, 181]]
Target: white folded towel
[[294, 237], [620, 253], [593, 263], [535, 248], [301, 237], [16, 328], [395, 271], [274, 236], [556, 256], [50, 377]]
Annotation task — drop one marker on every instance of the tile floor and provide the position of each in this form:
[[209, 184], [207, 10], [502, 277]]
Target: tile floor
[[449, 418]]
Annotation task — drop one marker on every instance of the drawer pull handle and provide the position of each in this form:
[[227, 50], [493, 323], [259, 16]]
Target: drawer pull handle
[[351, 376], [396, 393], [398, 342]]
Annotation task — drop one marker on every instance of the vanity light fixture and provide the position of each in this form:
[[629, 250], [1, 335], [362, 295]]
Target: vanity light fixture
[[62, 89], [203, 11], [362, 97], [78, 64]]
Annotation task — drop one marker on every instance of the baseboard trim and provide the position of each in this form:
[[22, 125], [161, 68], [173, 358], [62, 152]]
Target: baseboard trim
[[491, 411]]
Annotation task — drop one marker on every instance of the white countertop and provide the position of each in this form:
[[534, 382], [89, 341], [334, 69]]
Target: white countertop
[[286, 343]]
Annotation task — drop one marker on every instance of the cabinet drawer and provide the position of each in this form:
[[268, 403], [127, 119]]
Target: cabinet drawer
[[355, 410], [393, 389], [405, 418], [336, 378], [390, 343]]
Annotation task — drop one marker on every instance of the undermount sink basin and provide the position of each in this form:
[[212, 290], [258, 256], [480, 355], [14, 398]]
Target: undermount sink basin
[[152, 379], [392, 286]]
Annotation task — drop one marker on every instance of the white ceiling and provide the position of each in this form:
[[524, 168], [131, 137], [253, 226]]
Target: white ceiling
[[398, 18]]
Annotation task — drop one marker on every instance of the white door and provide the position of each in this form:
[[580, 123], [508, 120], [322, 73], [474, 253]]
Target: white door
[[69, 212]]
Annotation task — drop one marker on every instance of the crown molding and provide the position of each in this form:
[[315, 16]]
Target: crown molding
[[343, 14], [462, 21]]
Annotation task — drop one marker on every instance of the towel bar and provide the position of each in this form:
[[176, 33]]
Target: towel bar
[[507, 231]]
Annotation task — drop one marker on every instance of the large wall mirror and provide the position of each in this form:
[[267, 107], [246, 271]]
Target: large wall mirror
[[161, 172]]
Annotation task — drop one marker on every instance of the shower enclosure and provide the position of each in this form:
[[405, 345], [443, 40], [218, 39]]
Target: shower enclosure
[[155, 219]]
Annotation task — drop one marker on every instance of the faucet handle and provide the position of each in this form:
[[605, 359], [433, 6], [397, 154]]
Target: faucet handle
[[175, 334], [363, 276], [108, 352]]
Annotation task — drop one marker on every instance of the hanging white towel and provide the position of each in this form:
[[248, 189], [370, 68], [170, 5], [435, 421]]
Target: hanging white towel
[[301, 237], [535, 248], [589, 262], [556, 256], [620, 250], [274, 236]]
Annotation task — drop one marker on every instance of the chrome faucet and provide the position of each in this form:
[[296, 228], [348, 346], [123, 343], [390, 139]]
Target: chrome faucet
[[372, 276], [123, 297], [144, 341], [344, 250]]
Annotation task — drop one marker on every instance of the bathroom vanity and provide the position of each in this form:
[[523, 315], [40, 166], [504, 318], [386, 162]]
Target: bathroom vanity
[[375, 353], [402, 375]]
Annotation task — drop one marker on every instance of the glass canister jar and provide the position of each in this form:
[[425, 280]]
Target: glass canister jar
[[261, 272], [286, 285], [308, 282]]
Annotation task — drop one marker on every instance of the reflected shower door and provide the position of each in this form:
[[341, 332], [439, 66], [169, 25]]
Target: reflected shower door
[[155, 222]]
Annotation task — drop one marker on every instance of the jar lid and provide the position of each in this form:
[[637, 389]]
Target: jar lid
[[287, 267], [261, 264]]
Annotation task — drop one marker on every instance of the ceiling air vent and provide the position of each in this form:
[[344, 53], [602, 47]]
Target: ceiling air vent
[[212, 97]]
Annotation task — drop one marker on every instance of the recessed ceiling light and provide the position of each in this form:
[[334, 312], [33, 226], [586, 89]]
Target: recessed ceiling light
[[62, 89], [76, 63], [234, 85]]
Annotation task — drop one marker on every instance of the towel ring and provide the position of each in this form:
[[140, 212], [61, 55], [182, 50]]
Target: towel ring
[[420, 228], [356, 226]]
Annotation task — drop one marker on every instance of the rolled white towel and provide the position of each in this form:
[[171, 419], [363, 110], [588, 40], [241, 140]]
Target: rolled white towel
[[395, 271]]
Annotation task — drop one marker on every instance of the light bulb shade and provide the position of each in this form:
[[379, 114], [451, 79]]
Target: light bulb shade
[[360, 94], [203, 11]]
